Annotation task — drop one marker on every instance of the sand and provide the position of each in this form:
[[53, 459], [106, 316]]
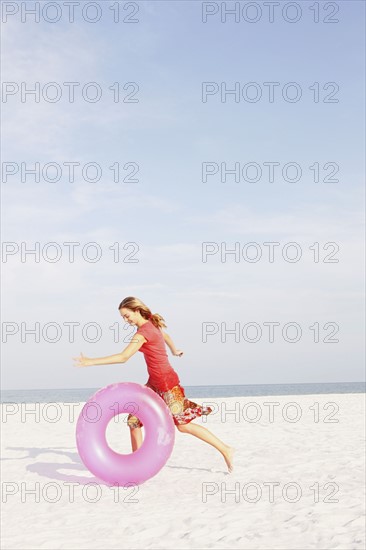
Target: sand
[[298, 480]]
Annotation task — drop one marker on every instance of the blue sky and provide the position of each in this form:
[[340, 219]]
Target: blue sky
[[169, 212]]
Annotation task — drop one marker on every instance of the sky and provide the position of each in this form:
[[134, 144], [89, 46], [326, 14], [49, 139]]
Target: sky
[[160, 228]]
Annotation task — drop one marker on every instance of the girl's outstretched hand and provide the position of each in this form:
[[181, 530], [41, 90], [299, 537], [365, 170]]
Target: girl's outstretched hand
[[82, 361], [178, 353]]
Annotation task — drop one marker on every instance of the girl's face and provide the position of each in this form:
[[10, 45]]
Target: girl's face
[[128, 315]]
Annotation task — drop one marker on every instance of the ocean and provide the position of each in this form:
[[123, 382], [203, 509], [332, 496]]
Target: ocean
[[78, 395]]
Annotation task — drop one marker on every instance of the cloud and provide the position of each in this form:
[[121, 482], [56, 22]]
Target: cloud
[[45, 209], [306, 221], [75, 53]]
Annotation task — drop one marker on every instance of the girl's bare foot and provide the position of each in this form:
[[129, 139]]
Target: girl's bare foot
[[228, 455]]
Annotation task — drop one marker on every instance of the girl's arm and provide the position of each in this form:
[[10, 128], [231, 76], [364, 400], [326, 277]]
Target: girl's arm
[[171, 345], [135, 344]]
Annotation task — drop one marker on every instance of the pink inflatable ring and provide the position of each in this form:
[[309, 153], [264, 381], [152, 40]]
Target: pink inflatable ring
[[104, 462]]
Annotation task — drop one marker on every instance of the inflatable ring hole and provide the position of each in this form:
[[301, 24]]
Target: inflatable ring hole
[[117, 434]]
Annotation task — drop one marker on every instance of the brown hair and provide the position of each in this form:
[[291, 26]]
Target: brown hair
[[135, 304]]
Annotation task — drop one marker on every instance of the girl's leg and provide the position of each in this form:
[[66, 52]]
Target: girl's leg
[[204, 434], [136, 438], [135, 433]]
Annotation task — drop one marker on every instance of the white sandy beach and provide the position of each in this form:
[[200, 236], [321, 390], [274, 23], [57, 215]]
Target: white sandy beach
[[295, 485]]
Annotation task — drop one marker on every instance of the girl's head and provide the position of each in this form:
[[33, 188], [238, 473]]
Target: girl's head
[[132, 310]]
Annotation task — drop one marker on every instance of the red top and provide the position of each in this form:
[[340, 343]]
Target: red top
[[161, 374]]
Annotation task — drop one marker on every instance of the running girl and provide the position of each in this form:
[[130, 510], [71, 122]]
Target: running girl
[[150, 339]]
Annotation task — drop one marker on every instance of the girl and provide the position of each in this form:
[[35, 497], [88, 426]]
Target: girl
[[163, 379]]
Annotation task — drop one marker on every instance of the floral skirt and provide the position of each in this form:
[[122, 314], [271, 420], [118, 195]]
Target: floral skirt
[[182, 409]]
